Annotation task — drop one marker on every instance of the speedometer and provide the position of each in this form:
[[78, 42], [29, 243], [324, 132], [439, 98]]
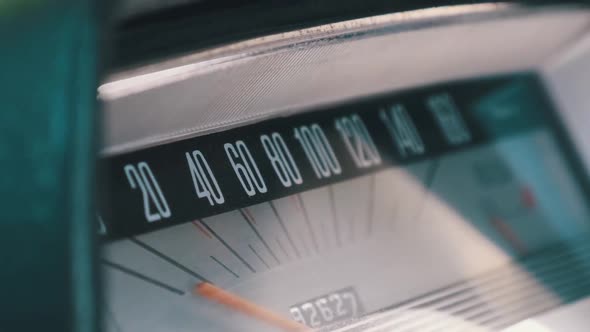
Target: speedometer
[[342, 212], [329, 166], [357, 177]]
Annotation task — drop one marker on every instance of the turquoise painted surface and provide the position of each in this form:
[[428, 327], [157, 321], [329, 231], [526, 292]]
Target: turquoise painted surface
[[47, 109]]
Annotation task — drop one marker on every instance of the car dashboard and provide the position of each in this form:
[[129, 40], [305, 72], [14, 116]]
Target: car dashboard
[[413, 170]]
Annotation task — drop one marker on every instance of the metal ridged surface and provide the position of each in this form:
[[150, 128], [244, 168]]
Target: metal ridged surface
[[412, 50], [537, 283]]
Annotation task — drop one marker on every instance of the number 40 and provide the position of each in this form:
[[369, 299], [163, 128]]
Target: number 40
[[203, 179]]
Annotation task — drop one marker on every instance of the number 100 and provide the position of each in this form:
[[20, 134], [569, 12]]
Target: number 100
[[318, 150]]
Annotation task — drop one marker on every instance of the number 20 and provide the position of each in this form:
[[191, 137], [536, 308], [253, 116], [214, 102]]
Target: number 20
[[142, 176]]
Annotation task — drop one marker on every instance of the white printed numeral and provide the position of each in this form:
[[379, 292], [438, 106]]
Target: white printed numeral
[[325, 309], [449, 119], [402, 130], [353, 304], [203, 179], [297, 315], [281, 159], [245, 167], [318, 150], [358, 141], [141, 175], [313, 314]]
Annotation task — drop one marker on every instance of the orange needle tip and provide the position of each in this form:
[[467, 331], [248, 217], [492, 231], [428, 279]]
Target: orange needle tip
[[237, 303]]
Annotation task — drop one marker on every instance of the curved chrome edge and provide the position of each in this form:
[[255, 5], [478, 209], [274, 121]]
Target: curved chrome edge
[[153, 83], [166, 72]]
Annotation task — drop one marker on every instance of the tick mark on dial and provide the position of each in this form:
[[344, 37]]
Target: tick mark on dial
[[258, 255], [308, 222], [228, 247], [224, 266], [142, 277], [167, 259], [251, 224], [284, 228]]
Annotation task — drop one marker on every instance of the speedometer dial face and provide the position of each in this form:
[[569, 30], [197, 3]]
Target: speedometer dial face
[[447, 207]]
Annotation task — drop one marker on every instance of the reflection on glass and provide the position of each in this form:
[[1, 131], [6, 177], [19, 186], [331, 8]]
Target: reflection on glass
[[475, 240]]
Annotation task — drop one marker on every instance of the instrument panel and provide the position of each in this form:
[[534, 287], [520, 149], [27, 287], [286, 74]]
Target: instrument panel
[[445, 207], [298, 166]]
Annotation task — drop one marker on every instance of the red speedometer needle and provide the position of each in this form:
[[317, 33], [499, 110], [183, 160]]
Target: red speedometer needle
[[234, 302]]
